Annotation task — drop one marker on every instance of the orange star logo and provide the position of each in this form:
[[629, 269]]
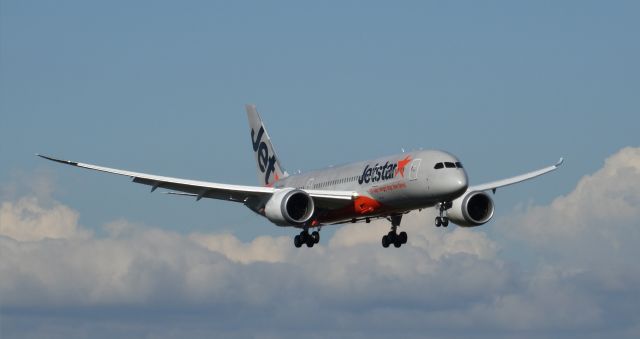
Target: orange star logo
[[402, 164]]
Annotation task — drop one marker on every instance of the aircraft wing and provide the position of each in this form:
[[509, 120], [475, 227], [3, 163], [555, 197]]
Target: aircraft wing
[[514, 180], [203, 189]]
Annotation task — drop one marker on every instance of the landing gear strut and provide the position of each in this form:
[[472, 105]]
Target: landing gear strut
[[397, 239], [304, 238], [442, 219]]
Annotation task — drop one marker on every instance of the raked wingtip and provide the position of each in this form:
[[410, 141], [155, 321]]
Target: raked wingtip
[[66, 162]]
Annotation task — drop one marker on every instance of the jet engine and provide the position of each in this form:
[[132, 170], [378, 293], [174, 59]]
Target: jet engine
[[471, 209], [289, 207]]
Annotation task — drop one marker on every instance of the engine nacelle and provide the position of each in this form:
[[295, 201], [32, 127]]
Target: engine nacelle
[[471, 209], [289, 207]]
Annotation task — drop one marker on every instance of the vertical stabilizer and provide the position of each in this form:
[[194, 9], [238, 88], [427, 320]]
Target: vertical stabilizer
[[269, 168]]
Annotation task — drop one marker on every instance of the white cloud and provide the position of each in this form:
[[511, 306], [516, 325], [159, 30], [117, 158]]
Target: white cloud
[[28, 220], [261, 249], [444, 282], [594, 227]]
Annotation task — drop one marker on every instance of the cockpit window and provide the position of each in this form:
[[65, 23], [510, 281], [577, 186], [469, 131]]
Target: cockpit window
[[441, 165]]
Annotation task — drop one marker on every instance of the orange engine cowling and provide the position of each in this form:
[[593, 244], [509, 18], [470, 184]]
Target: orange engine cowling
[[471, 209]]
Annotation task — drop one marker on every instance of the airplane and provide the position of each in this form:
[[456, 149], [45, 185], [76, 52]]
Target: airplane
[[387, 187]]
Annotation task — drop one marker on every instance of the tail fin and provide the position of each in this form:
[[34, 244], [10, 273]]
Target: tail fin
[[269, 168]]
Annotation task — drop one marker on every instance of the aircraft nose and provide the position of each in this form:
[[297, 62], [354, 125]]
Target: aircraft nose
[[458, 183], [463, 181]]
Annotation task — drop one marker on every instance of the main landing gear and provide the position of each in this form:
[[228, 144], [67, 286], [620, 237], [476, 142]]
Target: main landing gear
[[305, 238], [442, 219], [397, 239]]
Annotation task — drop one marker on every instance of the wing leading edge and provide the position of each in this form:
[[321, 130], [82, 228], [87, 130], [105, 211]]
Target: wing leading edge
[[514, 180], [204, 189]]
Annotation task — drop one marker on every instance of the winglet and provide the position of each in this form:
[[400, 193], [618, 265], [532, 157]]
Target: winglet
[[560, 162], [66, 162]]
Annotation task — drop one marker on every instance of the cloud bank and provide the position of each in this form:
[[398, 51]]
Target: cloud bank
[[580, 278]]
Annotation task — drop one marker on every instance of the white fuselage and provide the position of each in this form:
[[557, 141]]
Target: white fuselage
[[392, 184]]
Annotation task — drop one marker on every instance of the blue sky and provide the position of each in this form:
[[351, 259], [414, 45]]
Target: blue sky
[[160, 86]]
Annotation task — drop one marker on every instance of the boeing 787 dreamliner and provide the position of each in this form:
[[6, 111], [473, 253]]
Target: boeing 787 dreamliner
[[386, 187]]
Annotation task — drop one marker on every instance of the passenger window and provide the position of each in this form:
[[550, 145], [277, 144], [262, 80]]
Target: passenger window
[[449, 165], [459, 164], [438, 166]]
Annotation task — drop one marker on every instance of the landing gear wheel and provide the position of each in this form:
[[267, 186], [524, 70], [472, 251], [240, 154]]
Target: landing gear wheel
[[403, 237], [393, 237], [304, 238], [385, 241], [397, 243], [308, 239], [442, 219]]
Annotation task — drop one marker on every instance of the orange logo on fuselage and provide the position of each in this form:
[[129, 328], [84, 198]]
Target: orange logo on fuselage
[[402, 164]]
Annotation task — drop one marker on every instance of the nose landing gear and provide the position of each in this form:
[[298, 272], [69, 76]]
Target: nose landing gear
[[442, 219]]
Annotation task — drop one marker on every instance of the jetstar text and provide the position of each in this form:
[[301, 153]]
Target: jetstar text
[[378, 173], [266, 163]]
